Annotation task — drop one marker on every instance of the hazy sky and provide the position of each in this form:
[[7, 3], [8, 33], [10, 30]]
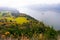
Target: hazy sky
[[21, 3], [43, 10]]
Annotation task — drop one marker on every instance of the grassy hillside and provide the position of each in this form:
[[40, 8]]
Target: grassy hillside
[[9, 17], [26, 27]]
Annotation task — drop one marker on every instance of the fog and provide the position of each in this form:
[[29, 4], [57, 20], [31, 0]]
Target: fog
[[49, 14]]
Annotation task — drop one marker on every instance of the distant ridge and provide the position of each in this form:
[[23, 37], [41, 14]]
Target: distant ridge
[[13, 10]]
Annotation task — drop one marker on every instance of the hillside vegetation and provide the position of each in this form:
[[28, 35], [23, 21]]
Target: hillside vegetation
[[25, 26]]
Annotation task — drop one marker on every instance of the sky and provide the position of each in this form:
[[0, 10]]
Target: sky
[[47, 11], [21, 3]]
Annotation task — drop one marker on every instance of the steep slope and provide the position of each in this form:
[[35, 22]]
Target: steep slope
[[16, 26], [20, 18]]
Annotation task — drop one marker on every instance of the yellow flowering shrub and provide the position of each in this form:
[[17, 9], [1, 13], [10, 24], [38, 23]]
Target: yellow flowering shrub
[[7, 33]]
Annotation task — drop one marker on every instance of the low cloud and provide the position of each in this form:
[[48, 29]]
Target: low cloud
[[50, 14], [39, 7]]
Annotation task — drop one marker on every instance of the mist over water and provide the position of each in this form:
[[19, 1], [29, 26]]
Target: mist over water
[[49, 14], [49, 17]]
